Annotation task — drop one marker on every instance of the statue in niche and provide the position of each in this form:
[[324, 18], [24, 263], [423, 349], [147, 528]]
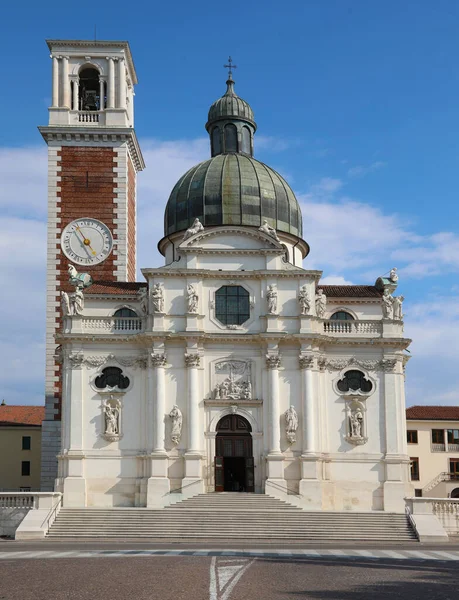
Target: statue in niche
[[321, 303], [304, 301], [387, 303], [393, 276], [193, 299], [112, 408], [157, 298], [195, 228], [265, 228], [177, 419], [73, 303], [291, 424], [271, 298], [356, 422], [397, 306], [233, 381]]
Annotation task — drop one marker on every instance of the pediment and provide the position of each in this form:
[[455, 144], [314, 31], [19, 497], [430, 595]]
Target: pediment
[[231, 238]]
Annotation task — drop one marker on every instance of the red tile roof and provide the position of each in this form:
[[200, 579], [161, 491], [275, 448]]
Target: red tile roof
[[350, 291], [433, 413], [115, 287], [21, 415]]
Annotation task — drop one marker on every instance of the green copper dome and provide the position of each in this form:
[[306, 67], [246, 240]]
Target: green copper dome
[[232, 189]]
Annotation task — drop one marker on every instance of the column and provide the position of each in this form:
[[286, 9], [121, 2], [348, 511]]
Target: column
[[192, 362], [76, 85], [273, 363], [101, 94], [55, 102], [159, 407], [193, 482], [309, 424], [111, 83], [65, 82], [121, 83]]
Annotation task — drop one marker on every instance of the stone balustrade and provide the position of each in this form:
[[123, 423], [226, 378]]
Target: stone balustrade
[[104, 325], [352, 328]]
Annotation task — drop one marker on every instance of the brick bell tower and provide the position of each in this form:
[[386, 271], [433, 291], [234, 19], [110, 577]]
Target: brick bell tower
[[93, 161]]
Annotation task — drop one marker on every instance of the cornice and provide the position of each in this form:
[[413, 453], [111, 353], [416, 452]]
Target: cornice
[[75, 133], [211, 274]]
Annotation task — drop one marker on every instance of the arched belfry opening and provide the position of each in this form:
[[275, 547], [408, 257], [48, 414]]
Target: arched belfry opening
[[90, 89], [234, 468]]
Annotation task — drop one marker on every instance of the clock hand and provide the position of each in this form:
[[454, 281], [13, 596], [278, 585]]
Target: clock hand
[[86, 241]]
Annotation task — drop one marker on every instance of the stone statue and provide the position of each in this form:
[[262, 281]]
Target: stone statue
[[303, 299], [397, 306], [157, 298], [265, 228], [177, 419], [356, 419], [387, 303], [271, 298], [291, 424], [143, 300], [193, 299], [393, 275], [321, 303], [78, 279], [195, 228], [73, 304], [112, 418]]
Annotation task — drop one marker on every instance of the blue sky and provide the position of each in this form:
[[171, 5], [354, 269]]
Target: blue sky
[[356, 104]]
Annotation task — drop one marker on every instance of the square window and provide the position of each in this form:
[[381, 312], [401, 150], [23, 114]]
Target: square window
[[26, 442], [25, 468], [412, 436], [418, 492]]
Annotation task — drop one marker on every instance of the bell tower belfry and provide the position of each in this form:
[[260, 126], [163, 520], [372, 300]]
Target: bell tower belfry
[[93, 161]]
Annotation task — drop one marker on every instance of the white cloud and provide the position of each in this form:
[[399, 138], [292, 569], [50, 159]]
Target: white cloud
[[361, 170], [335, 280], [273, 144]]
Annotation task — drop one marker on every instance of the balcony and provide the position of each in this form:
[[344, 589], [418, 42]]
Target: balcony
[[105, 325], [353, 328], [438, 448]]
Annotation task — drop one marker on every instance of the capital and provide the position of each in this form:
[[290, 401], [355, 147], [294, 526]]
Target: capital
[[273, 361], [192, 359], [306, 361], [158, 360]]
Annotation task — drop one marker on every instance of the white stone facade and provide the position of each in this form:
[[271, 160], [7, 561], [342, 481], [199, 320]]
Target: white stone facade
[[342, 450]]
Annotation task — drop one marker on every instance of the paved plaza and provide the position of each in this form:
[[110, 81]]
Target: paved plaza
[[88, 571]]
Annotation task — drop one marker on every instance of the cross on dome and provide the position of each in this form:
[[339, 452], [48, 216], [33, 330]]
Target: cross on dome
[[230, 67]]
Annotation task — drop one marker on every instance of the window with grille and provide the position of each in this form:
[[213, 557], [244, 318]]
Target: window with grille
[[342, 315], [232, 305], [125, 313], [354, 380], [111, 377]]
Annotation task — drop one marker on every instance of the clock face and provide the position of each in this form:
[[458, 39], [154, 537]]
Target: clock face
[[86, 241]]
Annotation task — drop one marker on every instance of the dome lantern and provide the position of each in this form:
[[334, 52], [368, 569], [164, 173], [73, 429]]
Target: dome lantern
[[230, 122]]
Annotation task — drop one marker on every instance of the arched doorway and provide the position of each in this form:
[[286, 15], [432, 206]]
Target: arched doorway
[[234, 455]]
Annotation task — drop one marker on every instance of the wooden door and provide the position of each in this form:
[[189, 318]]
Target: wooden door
[[219, 474]]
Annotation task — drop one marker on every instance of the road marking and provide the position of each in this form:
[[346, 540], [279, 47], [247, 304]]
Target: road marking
[[223, 578], [447, 555]]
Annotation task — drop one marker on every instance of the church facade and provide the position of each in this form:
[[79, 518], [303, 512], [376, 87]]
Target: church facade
[[230, 368]]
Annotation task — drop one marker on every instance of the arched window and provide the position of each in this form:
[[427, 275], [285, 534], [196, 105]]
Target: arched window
[[230, 138], [111, 377], [353, 381], [232, 305], [246, 140], [342, 315], [125, 313], [216, 142], [89, 90]]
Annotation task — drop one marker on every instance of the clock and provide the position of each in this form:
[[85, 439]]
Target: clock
[[86, 241]]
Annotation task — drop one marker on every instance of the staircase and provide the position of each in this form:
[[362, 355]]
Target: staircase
[[223, 517]]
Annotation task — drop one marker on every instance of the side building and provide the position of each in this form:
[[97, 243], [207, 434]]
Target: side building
[[433, 446], [20, 447]]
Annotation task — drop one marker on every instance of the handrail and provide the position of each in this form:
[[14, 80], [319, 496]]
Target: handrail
[[411, 520], [51, 513]]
